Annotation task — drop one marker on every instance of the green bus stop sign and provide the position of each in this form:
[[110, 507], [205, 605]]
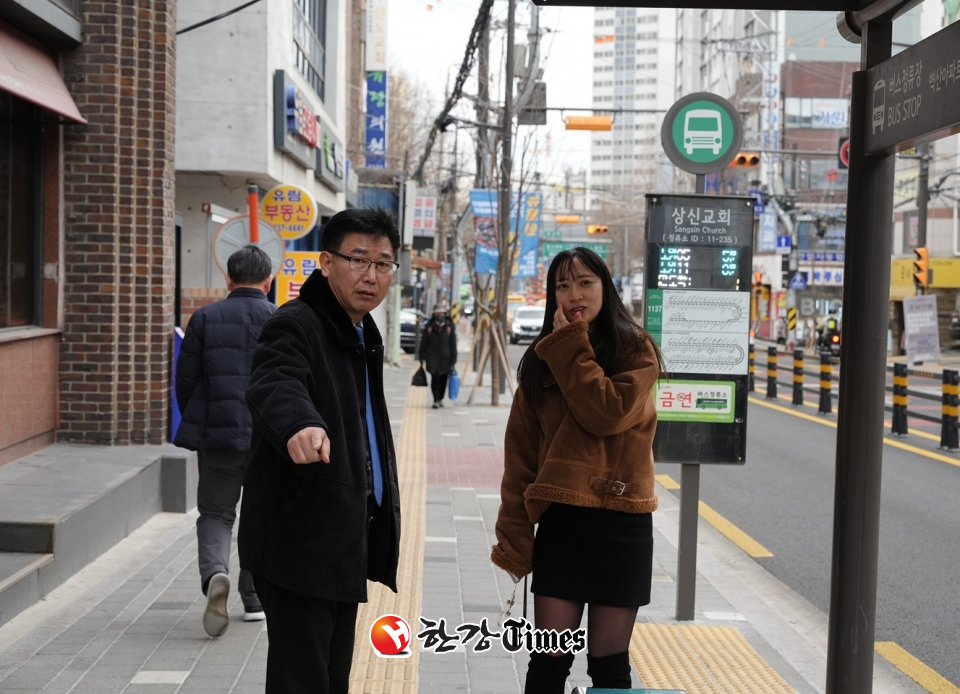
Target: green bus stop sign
[[702, 133]]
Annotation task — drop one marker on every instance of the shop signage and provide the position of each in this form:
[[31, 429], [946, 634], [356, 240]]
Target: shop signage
[[376, 121], [297, 267], [294, 121], [290, 210], [330, 167]]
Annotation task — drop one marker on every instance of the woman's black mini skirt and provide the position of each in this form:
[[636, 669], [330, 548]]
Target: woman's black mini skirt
[[593, 555]]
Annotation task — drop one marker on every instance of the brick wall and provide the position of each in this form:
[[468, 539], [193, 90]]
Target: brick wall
[[193, 298], [119, 226]]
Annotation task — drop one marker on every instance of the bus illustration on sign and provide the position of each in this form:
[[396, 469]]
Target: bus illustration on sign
[[702, 130], [879, 104], [712, 404]]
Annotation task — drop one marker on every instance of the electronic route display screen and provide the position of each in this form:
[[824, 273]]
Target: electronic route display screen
[[699, 263]]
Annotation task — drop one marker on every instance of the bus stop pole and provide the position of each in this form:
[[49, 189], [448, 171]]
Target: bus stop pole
[[856, 526], [689, 518]]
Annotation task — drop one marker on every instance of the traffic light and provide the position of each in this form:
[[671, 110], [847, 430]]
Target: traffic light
[[746, 159], [921, 267], [597, 229]]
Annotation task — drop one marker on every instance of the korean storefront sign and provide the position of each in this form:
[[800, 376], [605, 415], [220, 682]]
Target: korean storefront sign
[[297, 267], [290, 210], [294, 121]]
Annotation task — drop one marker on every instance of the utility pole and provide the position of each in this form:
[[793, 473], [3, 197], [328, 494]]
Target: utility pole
[[923, 193], [504, 200], [482, 179]]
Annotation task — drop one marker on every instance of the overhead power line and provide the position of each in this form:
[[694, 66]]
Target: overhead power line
[[482, 17], [220, 16]]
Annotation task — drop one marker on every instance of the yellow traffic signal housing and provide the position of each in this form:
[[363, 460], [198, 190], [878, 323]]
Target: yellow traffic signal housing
[[746, 159], [921, 267], [597, 229], [588, 122]]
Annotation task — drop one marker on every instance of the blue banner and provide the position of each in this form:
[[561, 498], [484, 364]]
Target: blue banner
[[376, 138], [484, 206]]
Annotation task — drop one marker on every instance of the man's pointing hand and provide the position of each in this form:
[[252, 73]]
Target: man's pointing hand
[[309, 445]]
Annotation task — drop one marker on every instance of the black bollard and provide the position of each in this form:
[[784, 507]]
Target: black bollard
[[898, 422], [771, 372], [798, 377], [826, 385], [948, 428]]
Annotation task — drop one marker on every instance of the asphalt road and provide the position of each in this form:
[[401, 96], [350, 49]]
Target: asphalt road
[[783, 498]]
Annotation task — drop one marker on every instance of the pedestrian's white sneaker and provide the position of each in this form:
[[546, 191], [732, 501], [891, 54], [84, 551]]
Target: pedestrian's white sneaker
[[254, 615], [215, 617]]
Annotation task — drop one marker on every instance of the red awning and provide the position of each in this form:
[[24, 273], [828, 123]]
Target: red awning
[[28, 71], [425, 263]]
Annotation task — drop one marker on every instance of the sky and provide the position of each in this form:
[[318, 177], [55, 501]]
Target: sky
[[427, 40]]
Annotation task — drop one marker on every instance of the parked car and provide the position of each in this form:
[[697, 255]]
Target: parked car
[[527, 323], [408, 329], [955, 325]]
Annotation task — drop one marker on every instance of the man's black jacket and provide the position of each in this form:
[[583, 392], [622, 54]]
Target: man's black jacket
[[304, 527], [213, 369]]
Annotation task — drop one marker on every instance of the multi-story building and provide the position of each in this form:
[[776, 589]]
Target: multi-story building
[[633, 67], [86, 222], [261, 99]]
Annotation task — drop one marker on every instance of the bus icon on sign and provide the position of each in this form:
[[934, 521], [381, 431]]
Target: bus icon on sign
[[702, 130], [879, 104]]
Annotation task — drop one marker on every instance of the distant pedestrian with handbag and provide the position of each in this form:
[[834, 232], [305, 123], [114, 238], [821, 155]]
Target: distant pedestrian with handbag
[[439, 350], [578, 461], [212, 373]]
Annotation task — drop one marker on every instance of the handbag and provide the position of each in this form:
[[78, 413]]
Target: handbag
[[453, 384], [419, 378]]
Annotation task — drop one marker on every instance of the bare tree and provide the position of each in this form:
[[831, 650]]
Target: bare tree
[[408, 123]]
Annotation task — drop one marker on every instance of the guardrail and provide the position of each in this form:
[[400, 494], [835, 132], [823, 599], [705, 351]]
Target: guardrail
[[949, 396]]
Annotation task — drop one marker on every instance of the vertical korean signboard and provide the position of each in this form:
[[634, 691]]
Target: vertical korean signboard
[[524, 231], [699, 260], [297, 267], [376, 59]]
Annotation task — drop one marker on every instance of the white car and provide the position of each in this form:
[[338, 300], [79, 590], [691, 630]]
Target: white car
[[527, 323]]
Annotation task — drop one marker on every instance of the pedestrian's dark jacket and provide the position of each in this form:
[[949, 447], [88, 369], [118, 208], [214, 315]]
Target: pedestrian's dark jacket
[[213, 369], [439, 347], [304, 527]]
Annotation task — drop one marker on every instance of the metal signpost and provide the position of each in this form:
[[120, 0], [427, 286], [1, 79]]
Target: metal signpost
[[700, 261], [234, 234]]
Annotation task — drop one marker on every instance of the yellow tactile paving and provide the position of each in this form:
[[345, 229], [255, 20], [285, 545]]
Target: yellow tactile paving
[[372, 674], [701, 660]]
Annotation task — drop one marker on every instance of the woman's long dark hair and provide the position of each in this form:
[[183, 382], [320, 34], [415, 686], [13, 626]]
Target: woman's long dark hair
[[616, 337]]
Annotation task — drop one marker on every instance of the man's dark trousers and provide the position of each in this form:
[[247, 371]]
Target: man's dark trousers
[[221, 479], [311, 641]]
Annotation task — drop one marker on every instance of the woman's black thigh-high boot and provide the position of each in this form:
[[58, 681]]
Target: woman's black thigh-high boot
[[610, 671], [547, 674]]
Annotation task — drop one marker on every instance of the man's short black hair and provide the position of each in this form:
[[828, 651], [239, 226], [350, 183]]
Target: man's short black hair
[[249, 265], [375, 222]]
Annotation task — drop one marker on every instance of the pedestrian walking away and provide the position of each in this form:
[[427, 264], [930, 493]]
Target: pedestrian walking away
[[578, 461], [439, 350], [212, 373], [321, 512]]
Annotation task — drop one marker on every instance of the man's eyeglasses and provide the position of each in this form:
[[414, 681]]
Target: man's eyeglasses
[[361, 264]]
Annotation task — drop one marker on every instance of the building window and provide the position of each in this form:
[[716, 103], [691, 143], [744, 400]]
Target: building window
[[309, 39], [20, 187]]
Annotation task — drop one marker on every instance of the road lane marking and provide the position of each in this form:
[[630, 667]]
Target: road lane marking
[[726, 528], [886, 441], [667, 481], [733, 533], [919, 672]]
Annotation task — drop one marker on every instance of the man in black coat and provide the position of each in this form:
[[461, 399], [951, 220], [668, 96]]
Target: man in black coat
[[321, 505], [212, 373]]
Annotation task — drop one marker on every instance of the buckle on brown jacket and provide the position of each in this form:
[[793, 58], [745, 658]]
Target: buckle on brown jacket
[[605, 486]]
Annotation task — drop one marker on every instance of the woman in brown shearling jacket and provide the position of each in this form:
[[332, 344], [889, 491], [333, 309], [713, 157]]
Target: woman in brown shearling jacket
[[578, 461]]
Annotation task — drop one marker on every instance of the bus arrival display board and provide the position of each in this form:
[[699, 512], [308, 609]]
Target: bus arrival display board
[[697, 307]]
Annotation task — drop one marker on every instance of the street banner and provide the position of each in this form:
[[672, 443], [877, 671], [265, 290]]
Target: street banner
[[425, 216], [297, 267], [922, 331], [524, 219]]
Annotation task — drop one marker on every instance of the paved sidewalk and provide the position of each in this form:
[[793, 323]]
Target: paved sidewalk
[[131, 621]]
